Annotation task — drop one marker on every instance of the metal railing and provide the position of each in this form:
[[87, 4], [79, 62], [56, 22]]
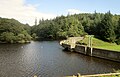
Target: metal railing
[[96, 75]]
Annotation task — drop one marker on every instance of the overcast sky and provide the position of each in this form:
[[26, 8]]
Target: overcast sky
[[26, 11]]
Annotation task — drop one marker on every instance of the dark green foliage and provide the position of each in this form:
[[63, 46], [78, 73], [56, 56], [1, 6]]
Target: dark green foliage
[[107, 29], [59, 28], [118, 29], [104, 26], [118, 41], [34, 36], [118, 32], [8, 37], [12, 31]]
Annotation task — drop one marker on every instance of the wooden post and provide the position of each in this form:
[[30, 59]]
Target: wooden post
[[78, 75]]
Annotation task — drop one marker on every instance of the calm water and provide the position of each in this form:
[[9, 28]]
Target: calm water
[[46, 59]]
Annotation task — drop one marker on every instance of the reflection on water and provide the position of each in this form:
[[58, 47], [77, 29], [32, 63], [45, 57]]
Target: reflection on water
[[46, 59]]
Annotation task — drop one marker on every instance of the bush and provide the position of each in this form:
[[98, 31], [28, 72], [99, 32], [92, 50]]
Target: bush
[[118, 41]]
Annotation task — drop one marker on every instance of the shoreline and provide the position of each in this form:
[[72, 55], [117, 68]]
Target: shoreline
[[94, 52]]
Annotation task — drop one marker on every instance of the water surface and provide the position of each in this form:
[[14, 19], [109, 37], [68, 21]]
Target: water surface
[[46, 59]]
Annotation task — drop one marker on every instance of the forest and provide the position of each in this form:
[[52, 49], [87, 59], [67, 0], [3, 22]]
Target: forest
[[12, 31], [104, 26]]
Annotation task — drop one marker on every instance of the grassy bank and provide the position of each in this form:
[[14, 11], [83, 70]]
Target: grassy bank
[[97, 43]]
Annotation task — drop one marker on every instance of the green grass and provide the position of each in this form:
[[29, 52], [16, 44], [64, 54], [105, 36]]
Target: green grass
[[97, 43]]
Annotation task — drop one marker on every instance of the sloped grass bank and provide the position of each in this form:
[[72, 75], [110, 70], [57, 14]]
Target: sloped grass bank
[[97, 43]]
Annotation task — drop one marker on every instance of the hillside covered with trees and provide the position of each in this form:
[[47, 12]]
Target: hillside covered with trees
[[104, 26], [12, 31]]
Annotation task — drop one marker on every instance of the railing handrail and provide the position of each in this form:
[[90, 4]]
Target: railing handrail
[[95, 75]]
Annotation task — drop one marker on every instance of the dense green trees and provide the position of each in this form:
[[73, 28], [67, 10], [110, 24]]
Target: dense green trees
[[8, 37], [107, 28], [118, 32], [59, 28], [104, 26], [12, 31]]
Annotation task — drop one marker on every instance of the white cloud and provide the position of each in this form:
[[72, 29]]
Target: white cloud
[[75, 11], [25, 13]]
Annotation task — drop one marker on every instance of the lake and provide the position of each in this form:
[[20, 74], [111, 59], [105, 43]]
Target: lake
[[46, 59]]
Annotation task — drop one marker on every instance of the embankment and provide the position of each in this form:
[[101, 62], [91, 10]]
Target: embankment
[[96, 52], [101, 53]]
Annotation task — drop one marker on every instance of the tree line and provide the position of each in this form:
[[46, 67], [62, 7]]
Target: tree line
[[104, 26], [12, 31]]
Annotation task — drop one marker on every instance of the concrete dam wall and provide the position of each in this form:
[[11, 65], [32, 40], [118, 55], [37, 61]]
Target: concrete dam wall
[[100, 53]]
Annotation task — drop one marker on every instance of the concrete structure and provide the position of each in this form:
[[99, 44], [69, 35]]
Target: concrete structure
[[67, 47], [71, 41], [70, 44], [100, 53]]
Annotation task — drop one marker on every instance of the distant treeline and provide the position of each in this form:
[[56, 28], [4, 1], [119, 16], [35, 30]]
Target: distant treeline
[[104, 26], [12, 31]]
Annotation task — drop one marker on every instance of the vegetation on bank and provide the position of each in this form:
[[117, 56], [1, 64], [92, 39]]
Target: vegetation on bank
[[104, 26], [12, 31], [97, 43], [59, 28]]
